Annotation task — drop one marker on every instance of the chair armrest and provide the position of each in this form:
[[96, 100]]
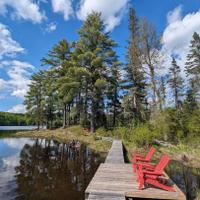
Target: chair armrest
[[142, 159], [138, 157], [146, 165], [151, 173]]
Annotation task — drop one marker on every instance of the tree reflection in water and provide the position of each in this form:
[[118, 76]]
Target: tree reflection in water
[[51, 170], [188, 179]]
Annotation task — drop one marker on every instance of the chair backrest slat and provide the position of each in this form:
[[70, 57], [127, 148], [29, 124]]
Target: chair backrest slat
[[150, 153], [162, 164]]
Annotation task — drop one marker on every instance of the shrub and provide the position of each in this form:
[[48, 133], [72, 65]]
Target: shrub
[[103, 132], [193, 124], [144, 134], [121, 132], [160, 123]]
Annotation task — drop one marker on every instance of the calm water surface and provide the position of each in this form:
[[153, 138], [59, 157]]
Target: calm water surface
[[19, 128], [38, 169], [187, 178]]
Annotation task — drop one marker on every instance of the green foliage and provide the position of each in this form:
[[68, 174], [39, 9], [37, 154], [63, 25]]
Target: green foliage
[[100, 83], [91, 52], [193, 64], [121, 132], [14, 119], [160, 121], [135, 79], [193, 124], [34, 100], [175, 81], [144, 134]]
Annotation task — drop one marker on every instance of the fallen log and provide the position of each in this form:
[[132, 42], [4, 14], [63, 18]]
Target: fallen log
[[161, 143]]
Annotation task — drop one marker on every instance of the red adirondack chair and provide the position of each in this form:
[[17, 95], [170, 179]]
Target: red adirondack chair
[[154, 175], [139, 158]]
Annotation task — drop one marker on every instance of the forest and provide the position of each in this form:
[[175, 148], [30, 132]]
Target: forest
[[84, 83], [13, 119]]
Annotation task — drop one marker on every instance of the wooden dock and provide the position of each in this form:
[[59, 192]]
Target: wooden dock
[[115, 180]]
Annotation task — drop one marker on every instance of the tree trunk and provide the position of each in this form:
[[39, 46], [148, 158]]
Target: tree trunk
[[85, 106], [176, 97], [153, 82], [64, 115], [92, 120], [38, 125], [115, 107], [69, 109], [79, 103]]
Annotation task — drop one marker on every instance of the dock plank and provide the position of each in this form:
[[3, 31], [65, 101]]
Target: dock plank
[[105, 197], [115, 180], [115, 155], [119, 179]]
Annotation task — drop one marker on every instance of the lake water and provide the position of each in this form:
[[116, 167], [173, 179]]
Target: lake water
[[187, 178], [39, 169], [18, 128]]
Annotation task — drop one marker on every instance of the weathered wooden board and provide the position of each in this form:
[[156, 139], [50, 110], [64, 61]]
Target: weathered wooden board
[[119, 180], [105, 197], [115, 155], [115, 180]]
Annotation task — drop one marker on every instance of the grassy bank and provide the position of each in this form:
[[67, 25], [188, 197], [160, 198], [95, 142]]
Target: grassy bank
[[186, 151], [69, 134]]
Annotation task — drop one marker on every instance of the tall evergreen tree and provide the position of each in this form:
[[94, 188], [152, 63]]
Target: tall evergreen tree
[[136, 80], [91, 51], [58, 60], [114, 80], [34, 100], [191, 102], [50, 97], [193, 63], [175, 81]]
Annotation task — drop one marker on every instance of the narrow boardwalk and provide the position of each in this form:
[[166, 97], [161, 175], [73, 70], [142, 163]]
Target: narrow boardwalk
[[115, 180], [115, 155]]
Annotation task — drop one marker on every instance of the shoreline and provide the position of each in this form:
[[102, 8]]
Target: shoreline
[[69, 134], [188, 157]]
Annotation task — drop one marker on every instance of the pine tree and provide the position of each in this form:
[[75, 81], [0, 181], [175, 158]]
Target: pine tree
[[50, 97], [114, 80], [34, 100], [191, 103], [136, 80], [91, 51], [175, 81], [193, 63], [58, 59], [57, 55]]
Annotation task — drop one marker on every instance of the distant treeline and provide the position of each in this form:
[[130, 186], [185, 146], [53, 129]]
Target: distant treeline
[[13, 119]]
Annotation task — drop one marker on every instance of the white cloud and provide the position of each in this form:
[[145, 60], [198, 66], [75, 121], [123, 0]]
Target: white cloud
[[64, 7], [22, 9], [19, 73], [2, 84], [20, 108], [51, 27], [17, 143], [8, 46], [174, 15], [112, 11], [178, 34]]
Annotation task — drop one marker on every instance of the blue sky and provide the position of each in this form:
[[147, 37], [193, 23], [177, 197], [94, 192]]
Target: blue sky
[[29, 28]]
